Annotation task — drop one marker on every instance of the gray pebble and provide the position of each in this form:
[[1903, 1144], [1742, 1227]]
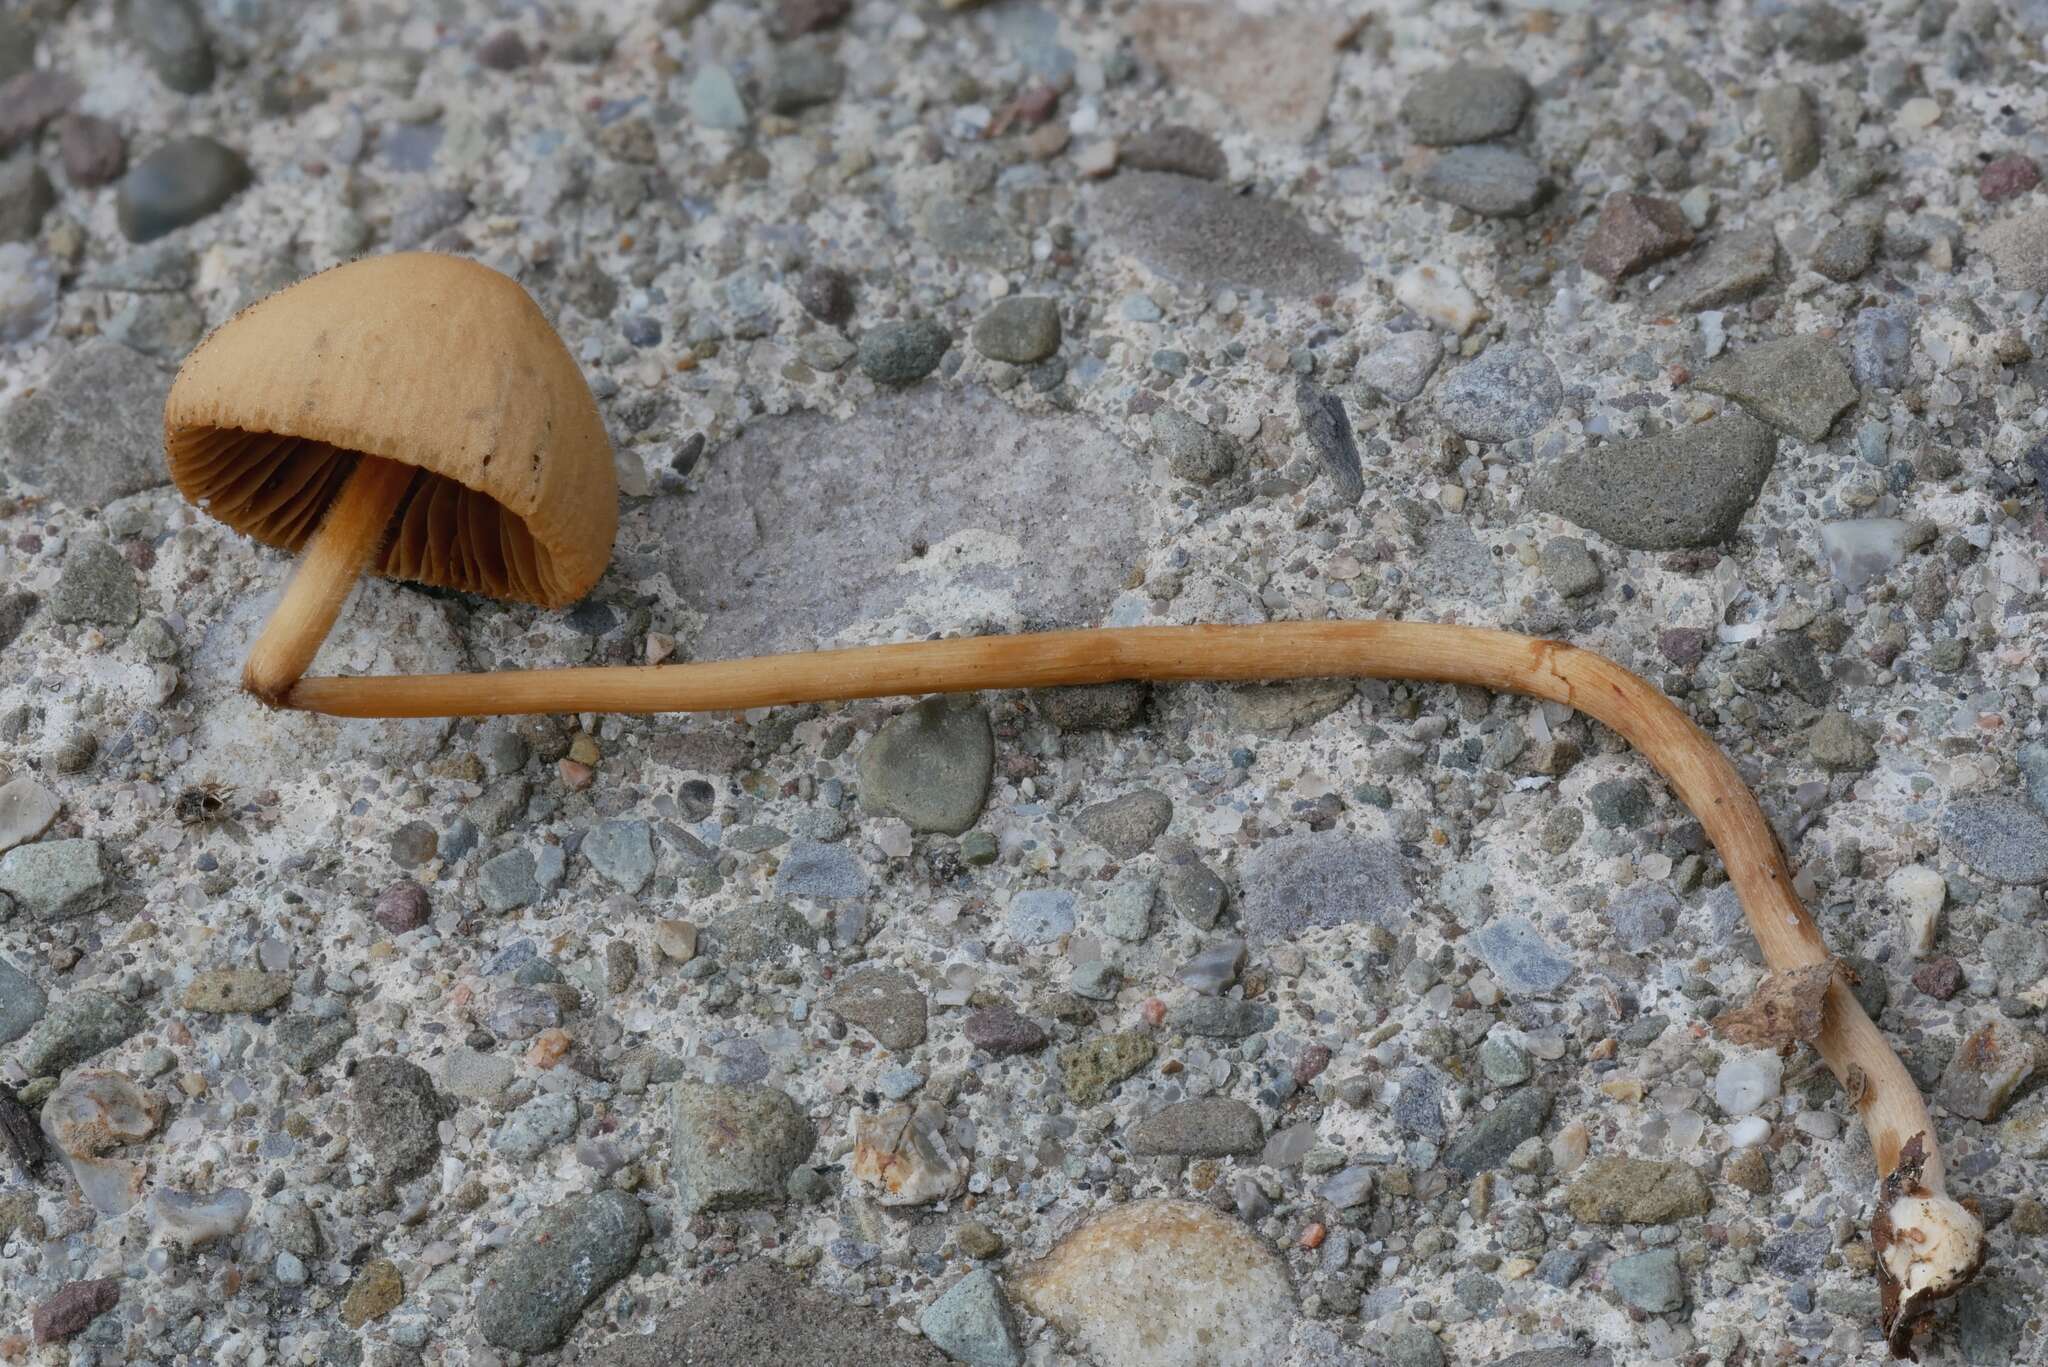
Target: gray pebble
[[1998, 835], [1789, 121], [1207, 1127], [1506, 394], [930, 766], [1399, 367], [180, 182], [1201, 233], [887, 1004], [1687, 487], [537, 1287], [395, 1116], [1317, 881], [1847, 251], [78, 1027], [622, 852], [1522, 960], [1193, 452], [972, 1323], [1021, 330], [734, 1146], [21, 1003], [1464, 103], [55, 880], [26, 195], [174, 42], [1486, 1141], [1127, 826], [535, 1128], [1729, 269], [1798, 385], [1652, 1282], [1490, 180], [97, 585], [902, 353], [1570, 567]]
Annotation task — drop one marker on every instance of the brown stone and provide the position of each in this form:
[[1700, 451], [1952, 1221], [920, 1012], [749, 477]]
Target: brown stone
[[1637, 1191], [374, 1293], [74, 1307], [1634, 231]]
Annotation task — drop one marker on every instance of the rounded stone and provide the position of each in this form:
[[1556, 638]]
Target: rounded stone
[[930, 766], [179, 183], [903, 352], [1464, 103]]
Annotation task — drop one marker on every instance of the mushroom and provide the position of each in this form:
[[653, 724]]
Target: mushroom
[[412, 415], [1928, 1244]]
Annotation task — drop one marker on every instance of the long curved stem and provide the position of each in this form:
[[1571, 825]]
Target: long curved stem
[[1929, 1244]]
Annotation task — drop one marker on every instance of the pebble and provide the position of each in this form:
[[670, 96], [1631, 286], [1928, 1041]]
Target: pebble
[[1687, 487], [1438, 294], [904, 1157], [96, 585], [622, 853], [1846, 252], [1349, 1188], [1730, 269], [25, 197], [887, 1004], [30, 100], [1317, 881], [395, 1116], [714, 99], [28, 310], [1862, 551], [817, 870], [93, 1112], [903, 352], [508, 881], [1793, 128], [1091, 1067], [1194, 452], [1200, 233], [1174, 148], [1125, 908], [800, 78], [1220, 1018], [1746, 1080], [26, 810], [1837, 744], [536, 1127], [55, 880], [1522, 959], [1191, 890], [174, 41], [1410, 1345], [1127, 826], [1991, 1064], [1996, 834], [22, 1003], [1104, 1284], [1399, 367], [1464, 103], [1504, 1064], [2007, 177], [1637, 1191], [305, 1044], [1097, 980], [1328, 429], [73, 1309], [1634, 232], [794, 18], [1021, 329], [1651, 1282], [1570, 567], [676, 939], [1642, 916], [1881, 347], [232, 991], [474, 1076], [374, 1292], [401, 907], [1489, 180], [555, 1266], [178, 183], [971, 1322], [1486, 1142], [930, 766], [1235, 57], [1818, 32], [196, 1219], [1508, 393], [1798, 385], [1001, 1031], [1208, 1127], [759, 935], [734, 1146]]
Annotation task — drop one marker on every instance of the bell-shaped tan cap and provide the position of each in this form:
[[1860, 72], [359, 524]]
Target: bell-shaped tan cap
[[435, 362]]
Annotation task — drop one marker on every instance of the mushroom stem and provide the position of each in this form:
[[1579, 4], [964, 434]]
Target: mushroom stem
[[1929, 1245], [349, 535]]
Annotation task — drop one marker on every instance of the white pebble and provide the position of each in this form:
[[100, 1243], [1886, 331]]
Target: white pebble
[[1438, 294], [1749, 1132], [1918, 892], [1746, 1081]]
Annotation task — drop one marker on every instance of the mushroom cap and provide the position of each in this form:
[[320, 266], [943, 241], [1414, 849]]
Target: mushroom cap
[[429, 360]]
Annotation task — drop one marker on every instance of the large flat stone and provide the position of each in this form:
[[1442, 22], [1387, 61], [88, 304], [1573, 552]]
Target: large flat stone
[[93, 432], [807, 529], [1197, 232]]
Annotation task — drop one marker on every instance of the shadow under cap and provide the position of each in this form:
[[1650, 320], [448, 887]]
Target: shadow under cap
[[432, 361]]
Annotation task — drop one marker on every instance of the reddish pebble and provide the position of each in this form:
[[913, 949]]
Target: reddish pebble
[[1313, 1236], [1310, 1065], [401, 907], [549, 1048], [1154, 1011], [575, 777], [1939, 978], [2007, 177], [74, 1307]]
